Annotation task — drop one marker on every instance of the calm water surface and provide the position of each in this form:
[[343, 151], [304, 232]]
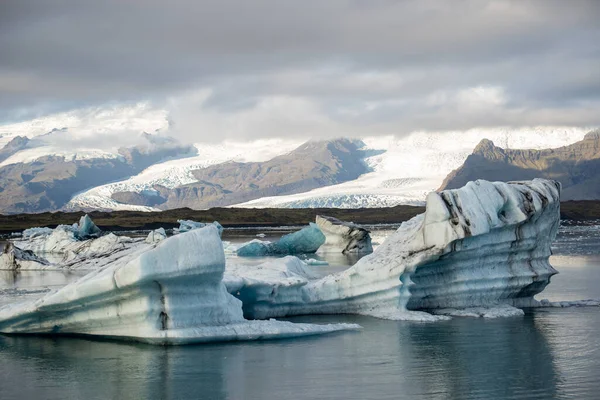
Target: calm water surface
[[549, 353]]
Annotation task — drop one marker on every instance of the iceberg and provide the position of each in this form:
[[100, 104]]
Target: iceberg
[[186, 225], [16, 259], [156, 236], [86, 228], [483, 246], [168, 293], [64, 249], [35, 232], [306, 240], [345, 236]]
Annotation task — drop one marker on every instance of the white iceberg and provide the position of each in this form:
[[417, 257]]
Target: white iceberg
[[64, 249], [485, 245], [168, 293], [156, 236], [186, 225], [16, 259], [345, 236], [35, 232], [306, 240]]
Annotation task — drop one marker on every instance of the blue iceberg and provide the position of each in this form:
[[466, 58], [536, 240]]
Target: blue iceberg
[[306, 240]]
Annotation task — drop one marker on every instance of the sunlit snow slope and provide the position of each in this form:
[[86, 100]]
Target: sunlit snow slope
[[174, 173]]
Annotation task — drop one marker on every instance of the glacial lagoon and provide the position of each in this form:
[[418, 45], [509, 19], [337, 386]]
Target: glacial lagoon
[[548, 353]]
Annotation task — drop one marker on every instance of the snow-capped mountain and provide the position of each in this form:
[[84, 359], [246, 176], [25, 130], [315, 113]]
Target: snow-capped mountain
[[405, 169], [399, 170]]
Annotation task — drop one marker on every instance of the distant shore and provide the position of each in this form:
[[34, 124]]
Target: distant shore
[[579, 211]]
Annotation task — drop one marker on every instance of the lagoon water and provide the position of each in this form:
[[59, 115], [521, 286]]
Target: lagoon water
[[548, 353]]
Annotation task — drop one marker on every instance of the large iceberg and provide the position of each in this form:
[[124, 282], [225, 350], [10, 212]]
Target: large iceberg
[[345, 236], [168, 293], [306, 240], [482, 246]]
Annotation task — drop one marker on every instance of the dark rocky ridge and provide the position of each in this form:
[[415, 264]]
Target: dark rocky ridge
[[576, 167]]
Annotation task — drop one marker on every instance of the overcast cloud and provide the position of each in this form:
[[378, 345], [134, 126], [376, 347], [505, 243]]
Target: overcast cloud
[[245, 69]]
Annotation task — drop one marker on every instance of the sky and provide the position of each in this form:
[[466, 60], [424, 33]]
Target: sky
[[294, 69]]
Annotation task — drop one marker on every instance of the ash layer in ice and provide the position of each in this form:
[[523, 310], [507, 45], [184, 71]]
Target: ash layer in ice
[[345, 236], [170, 293], [306, 240], [485, 245]]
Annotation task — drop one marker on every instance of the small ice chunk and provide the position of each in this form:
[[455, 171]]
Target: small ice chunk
[[86, 228], [312, 261], [156, 236], [186, 225], [306, 240], [345, 236], [35, 232]]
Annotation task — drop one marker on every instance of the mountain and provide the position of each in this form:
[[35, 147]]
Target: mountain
[[49, 182], [313, 164], [401, 170], [576, 166], [95, 159], [15, 145]]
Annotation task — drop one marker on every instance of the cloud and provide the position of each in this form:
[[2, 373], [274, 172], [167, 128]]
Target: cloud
[[240, 69]]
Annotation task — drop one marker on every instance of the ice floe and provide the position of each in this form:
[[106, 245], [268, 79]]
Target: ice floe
[[485, 245], [168, 293], [345, 236], [306, 240]]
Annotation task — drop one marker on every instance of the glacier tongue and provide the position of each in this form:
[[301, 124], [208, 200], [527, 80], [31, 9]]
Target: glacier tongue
[[170, 293], [484, 246]]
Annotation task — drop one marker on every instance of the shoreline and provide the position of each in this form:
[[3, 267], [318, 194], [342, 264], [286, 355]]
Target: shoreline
[[581, 211]]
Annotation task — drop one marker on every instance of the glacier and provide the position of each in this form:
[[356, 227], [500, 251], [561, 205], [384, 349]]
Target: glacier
[[306, 240], [345, 236], [167, 293], [481, 247]]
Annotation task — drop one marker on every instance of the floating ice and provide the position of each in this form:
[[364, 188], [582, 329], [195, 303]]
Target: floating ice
[[156, 236], [186, 225], [35, 232], [306, 240], [564, 304], [484, 245], [15, 259], [86, 228], [312, 261], [171, 293], [345, 236], [64, 249]]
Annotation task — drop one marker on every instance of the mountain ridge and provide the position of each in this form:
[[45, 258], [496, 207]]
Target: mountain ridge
[[576, 166]]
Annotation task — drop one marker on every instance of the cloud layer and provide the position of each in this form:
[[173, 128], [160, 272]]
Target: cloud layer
[[238, 69]]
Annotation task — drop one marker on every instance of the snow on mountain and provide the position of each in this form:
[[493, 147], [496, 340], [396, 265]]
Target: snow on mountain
[[175, 173], [82, 129], [405, 169]]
